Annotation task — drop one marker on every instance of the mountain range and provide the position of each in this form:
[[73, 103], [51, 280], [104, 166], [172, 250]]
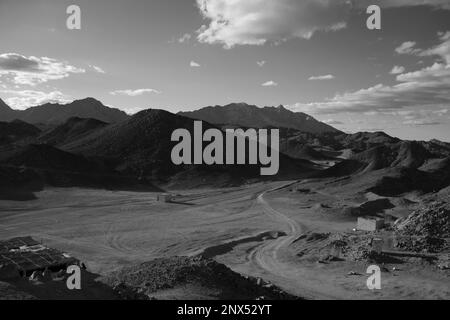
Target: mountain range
[[250, 116], [88, 144], [54, 113]]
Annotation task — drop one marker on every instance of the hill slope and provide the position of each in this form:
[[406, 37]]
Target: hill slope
[[73, 129], [16, 130]]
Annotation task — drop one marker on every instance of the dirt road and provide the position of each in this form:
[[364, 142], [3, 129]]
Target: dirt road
[[268, 255]]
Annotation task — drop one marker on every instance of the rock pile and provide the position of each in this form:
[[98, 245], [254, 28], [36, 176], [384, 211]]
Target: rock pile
[[432, 220]]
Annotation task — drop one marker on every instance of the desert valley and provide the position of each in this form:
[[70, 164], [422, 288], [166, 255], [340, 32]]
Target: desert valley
[[86, 179]]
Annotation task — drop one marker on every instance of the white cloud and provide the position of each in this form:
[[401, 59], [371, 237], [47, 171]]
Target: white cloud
[[185, 38], [270, 84], [427, 87], [397, 70], [97, 69], [261, 63], [422, 122], [324, 77], [22, 99], [23, 70], [256, 22], [194, 64], [406, 48], [442, 50], [133, 92]]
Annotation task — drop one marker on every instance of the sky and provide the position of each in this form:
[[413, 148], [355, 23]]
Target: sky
[[312, 56]]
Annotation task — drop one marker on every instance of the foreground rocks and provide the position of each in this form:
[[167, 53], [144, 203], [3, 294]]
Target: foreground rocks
[[189, 278]]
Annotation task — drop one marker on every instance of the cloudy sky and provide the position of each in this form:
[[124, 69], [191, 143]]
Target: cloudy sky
[[315, 56]]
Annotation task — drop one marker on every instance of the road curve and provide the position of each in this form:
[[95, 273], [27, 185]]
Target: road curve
[[266, 256]]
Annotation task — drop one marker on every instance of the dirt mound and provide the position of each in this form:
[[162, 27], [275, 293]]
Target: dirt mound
[[330, 247], [430, 220], [181, 276]]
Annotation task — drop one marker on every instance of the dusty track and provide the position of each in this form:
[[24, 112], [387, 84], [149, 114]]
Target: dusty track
[[267, 256]]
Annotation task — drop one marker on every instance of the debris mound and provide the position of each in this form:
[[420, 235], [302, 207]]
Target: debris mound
[[432, 220], [215, 280]]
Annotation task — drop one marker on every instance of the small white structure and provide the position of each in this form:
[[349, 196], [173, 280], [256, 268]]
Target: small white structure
[[164, 197], [365, 224]]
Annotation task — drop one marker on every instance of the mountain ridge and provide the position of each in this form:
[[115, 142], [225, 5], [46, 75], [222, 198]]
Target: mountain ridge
[[252, 116], [55, 113]]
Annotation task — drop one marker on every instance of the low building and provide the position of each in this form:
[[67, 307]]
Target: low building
[[369, 224], [164, 197]]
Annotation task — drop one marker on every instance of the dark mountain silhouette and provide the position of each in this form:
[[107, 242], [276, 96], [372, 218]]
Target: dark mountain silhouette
[[242, 114], [47, 157], [33, 166], [16, 130], [54, 113], [73, 129], [19, 183], [130, 150], [142, 146], [6, 113]]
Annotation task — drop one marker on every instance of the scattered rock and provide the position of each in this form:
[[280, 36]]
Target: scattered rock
[[430, 220], [47, 275], [36, 276]]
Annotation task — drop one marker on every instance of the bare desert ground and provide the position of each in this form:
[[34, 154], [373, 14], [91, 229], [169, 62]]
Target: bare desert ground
[[257, 230]]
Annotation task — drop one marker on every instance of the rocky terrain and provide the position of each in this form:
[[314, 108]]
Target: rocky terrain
[[89, 186]]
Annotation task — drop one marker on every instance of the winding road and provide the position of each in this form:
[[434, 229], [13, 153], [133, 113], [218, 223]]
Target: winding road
[[267, 256]]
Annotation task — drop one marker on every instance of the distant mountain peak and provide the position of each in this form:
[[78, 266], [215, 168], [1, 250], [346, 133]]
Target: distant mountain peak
[[3, 105], [88, 100], [56, 113], [252, 116]]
